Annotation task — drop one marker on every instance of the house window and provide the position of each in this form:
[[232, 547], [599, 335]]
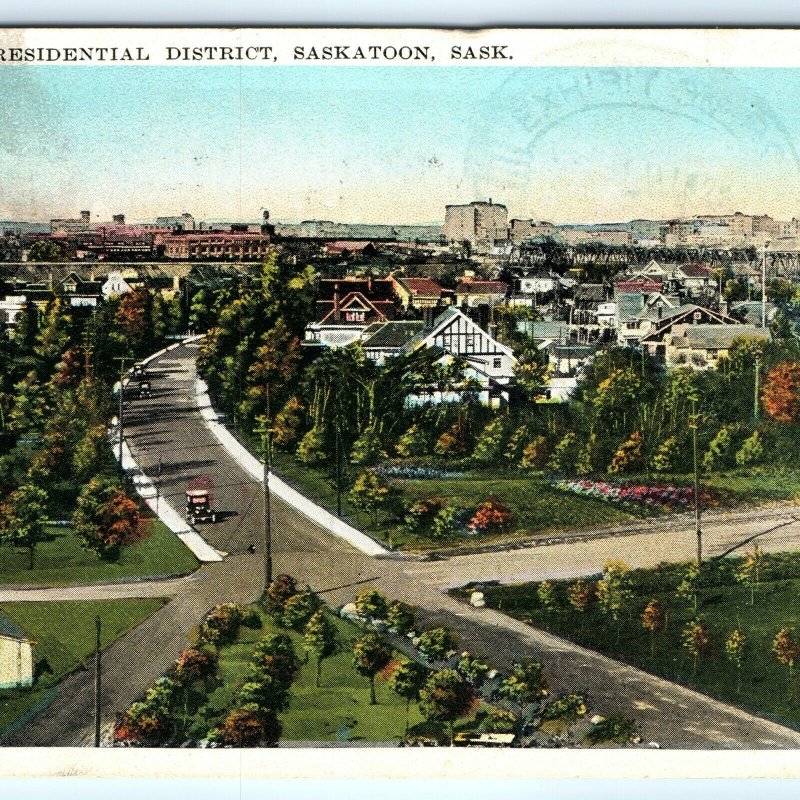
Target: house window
[[498, 363], [354, 316]]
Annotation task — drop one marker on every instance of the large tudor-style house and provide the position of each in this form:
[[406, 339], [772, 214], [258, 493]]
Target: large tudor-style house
[[489, 364]]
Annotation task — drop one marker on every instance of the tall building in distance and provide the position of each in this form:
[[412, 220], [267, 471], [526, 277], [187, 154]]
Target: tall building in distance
[[480, 223]]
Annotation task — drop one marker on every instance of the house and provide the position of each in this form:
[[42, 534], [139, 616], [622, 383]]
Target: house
[[652, 271], [348, 249], [749, 311], [472, 292], [693, 279], [702, 346], [16, 656], [347, 306], [79, 292], [489, 364], [639, 313], [115, 285], [657, 340], [382, 340], [420, 292]]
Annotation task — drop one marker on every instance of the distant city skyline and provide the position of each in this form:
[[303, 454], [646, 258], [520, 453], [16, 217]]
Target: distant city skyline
[[395, 145]]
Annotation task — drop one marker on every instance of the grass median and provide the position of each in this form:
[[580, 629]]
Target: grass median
[[62, 561]]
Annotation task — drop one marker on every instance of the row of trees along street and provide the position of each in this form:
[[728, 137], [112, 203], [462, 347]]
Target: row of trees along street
[[58, 366]]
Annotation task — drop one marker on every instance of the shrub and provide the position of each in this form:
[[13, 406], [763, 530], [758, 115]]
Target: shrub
[[628, 455], [278, 592], [421, 514], [246, 727], [299, 609], [437, 644], [564, 456], [751, 452], [221, 625], [534, 454], [400, 617], [414, 442], [491, 516]]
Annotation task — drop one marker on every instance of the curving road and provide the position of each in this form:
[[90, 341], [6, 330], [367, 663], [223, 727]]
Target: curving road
[[168, 429]]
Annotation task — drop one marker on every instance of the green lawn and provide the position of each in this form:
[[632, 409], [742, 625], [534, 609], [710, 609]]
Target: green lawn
[[64, 633], [725, 604], [537, 506], [62, 561], [339, 709]]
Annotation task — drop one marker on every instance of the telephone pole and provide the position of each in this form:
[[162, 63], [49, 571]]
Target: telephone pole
[[755, 393], [121, 412], [97, 682], [265, 430], [698, 533]]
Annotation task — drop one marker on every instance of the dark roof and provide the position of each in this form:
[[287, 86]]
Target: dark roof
[[466, 286], [372, 288], [695, 271], [720, 336], [424, 286], [10, 629], [590, 291], [391, 334]]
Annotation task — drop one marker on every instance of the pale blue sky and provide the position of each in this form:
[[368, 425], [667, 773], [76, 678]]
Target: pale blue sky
[[395, 144]]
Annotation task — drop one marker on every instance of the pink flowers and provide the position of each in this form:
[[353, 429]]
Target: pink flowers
[[647, 498]]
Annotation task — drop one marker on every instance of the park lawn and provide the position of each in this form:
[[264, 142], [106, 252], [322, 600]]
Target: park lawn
[[338, 710], [538, 507], [63, 562], [64, 633], [765, 688]]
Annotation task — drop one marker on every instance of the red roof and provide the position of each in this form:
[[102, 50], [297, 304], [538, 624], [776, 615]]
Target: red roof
[[350, 246], [424, 286], [481, 287]]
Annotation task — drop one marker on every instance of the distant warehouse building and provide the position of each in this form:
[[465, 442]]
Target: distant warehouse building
[[213, 245]]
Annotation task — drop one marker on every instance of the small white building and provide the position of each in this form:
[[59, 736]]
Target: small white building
[[115, 285], [16, 656]]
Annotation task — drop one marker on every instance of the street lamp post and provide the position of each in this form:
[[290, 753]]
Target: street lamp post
[[97, 682]]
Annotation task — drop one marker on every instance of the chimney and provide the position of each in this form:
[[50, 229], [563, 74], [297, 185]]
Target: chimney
[[337, 314], [660, 310], [86, 216], [119, 219]]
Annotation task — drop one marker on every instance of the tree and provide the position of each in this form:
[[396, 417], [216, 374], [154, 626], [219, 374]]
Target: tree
[[750, 569], [488, 447], [372, 605], [414, 442], [107, 520], [692, 582], [653, 620], [614, 590], [320, 637], [407, 680], [582, 594], [372, 493], [563, 457], [246, 727], [525, 685], [735, 646], [628, 455], [274, 656], [400, 617], [370, 656], [278, 592], [531, 372], [194, 671], [46, 250], [781, 394], [546, 593], [445, 523], [722, 449], [752, 451], [534, 453], [697, 640], [286, 425], [299, 609], [437, 643], [473, 669], [454, 441], [446, 697], [367, 449], [24, 521], [785, 648], [667, 455]]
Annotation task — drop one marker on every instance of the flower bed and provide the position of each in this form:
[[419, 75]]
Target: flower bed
[[647, 499], [409, 471]]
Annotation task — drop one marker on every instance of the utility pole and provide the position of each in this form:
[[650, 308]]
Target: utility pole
[[265, 431], [338, 468], [764, 288], [698, 533], [97, 682], [755, 393], [121, 412]]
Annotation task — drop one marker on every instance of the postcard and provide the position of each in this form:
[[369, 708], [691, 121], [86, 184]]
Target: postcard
[[392, 402]]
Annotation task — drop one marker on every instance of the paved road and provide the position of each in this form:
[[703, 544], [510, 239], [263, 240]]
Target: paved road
[[168, 427]]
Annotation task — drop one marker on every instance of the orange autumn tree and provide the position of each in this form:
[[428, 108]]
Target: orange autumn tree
[[781, 394]]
